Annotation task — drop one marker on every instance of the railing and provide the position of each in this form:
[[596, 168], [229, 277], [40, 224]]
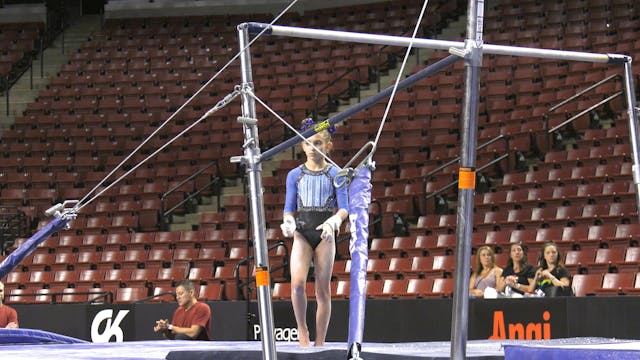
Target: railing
[[106, 295], [17, 70], [145, 299], [456, 160], [240, 284], [391, 57], [454, 182], [188, 198], [573, 98], [349, 89], [55, 25]]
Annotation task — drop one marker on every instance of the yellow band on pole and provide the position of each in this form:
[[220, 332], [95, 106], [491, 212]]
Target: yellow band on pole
[[466, 178], [262, 277]]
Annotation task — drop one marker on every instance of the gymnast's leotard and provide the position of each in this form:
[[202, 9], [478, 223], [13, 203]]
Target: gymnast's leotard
[[312, 197]]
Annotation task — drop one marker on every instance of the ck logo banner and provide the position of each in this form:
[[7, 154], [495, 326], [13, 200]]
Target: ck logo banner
[[107, 325]]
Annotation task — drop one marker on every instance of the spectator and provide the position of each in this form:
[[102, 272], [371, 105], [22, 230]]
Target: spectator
[[8, 315], [552, 277], [191, 320], [312, 198], [485, 272], [519, 275]]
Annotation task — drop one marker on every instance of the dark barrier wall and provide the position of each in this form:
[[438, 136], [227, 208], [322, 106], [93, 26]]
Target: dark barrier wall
[[386, 320]]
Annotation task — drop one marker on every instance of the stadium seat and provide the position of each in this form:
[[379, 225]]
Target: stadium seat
[[211, 291], [615, 283], [631, 261], [124, 295], [442, 287], [376, 268], [606, 260], [577, 260], [586, 284], [162, 294], [282, 291], [341, 289]]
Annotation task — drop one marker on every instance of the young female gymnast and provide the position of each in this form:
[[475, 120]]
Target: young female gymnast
[[310, 216]]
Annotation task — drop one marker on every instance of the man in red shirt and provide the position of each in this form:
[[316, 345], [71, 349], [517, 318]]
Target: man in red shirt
[[191, 320], [8, 316]]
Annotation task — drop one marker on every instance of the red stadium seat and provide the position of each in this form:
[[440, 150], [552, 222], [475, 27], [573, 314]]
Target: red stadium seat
[[576, 260], [631, 261], [211, 292], [442, 287], [282, 291], [124, 295], [615, 283], [586, 284]]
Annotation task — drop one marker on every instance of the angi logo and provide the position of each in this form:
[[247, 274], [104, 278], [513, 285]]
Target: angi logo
[[111, 328], [519, 331]]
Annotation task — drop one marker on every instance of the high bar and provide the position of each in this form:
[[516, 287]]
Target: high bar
[[348, 36]]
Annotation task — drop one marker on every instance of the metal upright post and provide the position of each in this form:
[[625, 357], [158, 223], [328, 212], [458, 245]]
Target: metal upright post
[[467, 178], [251, 160], [632, 113]]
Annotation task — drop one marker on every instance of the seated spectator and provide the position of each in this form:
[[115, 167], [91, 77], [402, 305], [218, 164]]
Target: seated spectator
[[191, 320], [552, 277], [485, 272], [8, 315], [519, 275]]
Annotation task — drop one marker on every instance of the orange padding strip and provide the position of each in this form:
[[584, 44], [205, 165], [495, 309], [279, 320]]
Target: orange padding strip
[[262, 277], [466, 178]]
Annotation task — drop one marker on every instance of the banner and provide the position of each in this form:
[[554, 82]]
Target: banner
[[387, 320]]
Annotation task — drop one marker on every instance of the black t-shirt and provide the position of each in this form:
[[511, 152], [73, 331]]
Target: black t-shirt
[[559, 272], [527, 272]]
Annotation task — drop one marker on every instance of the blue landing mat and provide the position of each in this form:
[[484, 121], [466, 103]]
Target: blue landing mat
[[132, 350], [575, 348], [33, 336]]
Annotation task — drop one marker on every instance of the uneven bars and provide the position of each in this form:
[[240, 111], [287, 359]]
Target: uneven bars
[[348, 36]]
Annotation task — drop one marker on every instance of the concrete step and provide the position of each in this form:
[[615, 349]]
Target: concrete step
[[180, 227]]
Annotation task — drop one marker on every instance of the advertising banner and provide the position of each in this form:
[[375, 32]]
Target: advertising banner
[[387, 320]]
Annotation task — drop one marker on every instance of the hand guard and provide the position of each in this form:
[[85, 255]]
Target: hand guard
[[329, 227], [288, 226]]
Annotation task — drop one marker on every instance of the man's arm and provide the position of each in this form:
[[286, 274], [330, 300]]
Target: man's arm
[[191, 332], [13, 320]]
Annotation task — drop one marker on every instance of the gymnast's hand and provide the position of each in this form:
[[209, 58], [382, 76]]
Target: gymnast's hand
[[329, 227], [12, 325], [288, 225]]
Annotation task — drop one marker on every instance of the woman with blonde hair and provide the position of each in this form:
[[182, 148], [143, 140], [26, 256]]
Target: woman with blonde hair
[[485, 272]]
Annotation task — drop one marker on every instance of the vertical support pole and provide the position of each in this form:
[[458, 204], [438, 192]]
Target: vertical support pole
[[632, 114], [251, 160], [31, 73], [41, 58], [6, 83], [467, 177]]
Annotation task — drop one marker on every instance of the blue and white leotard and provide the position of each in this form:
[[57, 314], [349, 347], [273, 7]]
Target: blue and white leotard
[[313, 191]]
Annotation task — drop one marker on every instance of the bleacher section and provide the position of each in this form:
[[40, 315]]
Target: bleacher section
[[17, 41]]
